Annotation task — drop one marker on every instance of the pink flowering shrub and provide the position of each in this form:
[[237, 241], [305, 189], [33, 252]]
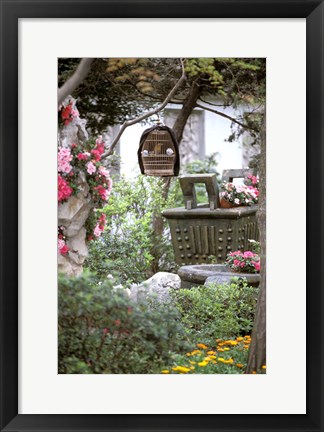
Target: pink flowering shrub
[[241, 195], [82, 158], [244, 262]]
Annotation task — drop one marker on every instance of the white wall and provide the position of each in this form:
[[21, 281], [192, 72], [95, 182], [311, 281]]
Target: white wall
[[217, 129]]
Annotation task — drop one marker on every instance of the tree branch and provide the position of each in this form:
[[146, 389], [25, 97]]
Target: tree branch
[[148, 114], [228, 117], [219, 105], [75, 80]]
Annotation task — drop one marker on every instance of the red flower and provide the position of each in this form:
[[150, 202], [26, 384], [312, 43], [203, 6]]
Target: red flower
[[82, 156], [66, 112], [96, 154], [64, 190], [64, 250]]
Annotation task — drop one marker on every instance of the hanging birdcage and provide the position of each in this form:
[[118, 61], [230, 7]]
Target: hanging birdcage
[[158, 153]]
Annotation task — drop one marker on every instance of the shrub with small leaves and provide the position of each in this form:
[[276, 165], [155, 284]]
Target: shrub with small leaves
[[129, 246], [217, 311], [101, 330]]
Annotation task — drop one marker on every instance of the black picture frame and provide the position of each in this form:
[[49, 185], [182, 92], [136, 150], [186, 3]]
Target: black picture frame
[[11, 11]]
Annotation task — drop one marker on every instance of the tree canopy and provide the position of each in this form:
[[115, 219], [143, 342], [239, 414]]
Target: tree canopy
[[119, 89]]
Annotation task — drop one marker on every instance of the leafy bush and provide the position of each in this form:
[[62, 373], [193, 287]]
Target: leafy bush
[[129, 247], [217, 311], [102, 331]]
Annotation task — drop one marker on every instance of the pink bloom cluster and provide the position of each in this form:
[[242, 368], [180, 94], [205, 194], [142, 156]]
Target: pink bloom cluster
[[99, 150], [104, 192], [64, 158], [252, 180], [91, 168], [247, 262], [99, 228], [62, 247], [64, 190]]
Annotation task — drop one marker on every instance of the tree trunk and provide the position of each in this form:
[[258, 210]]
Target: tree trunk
[[187, 107], [158, 228], [178, 128], [257, 352]]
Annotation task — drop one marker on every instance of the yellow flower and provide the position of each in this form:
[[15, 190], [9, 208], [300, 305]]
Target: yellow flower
[[228, 361], [246, 346], [212, 357], [233, 343], [195, 352], [218, 340], [188, 354], [165, 371], [192, 362], [221, 344], [254, 372], [211, 352], [192, 367], [226, 349], [264, 367], [201, 345], [203, 363], [181, 369], [220, 349], [239, 339], [239, 365]]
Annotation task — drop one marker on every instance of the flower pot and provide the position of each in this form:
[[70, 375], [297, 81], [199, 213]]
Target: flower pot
[[226, 204]]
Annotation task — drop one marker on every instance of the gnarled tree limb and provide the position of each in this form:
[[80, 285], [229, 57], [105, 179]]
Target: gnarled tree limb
[[148, 114], [75, 80], [227, 116]]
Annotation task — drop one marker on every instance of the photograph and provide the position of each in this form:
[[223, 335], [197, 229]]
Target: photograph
[[161, 222]]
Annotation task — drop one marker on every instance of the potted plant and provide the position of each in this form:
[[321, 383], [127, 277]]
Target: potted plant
[[243, 262], [235, 195]]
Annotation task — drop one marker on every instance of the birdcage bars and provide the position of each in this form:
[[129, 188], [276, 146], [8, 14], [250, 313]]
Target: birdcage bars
[[158, 152]]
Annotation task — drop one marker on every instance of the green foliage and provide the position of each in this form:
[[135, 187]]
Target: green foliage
[[129, 247], [100, 330], [255, 246], [217, 311]]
